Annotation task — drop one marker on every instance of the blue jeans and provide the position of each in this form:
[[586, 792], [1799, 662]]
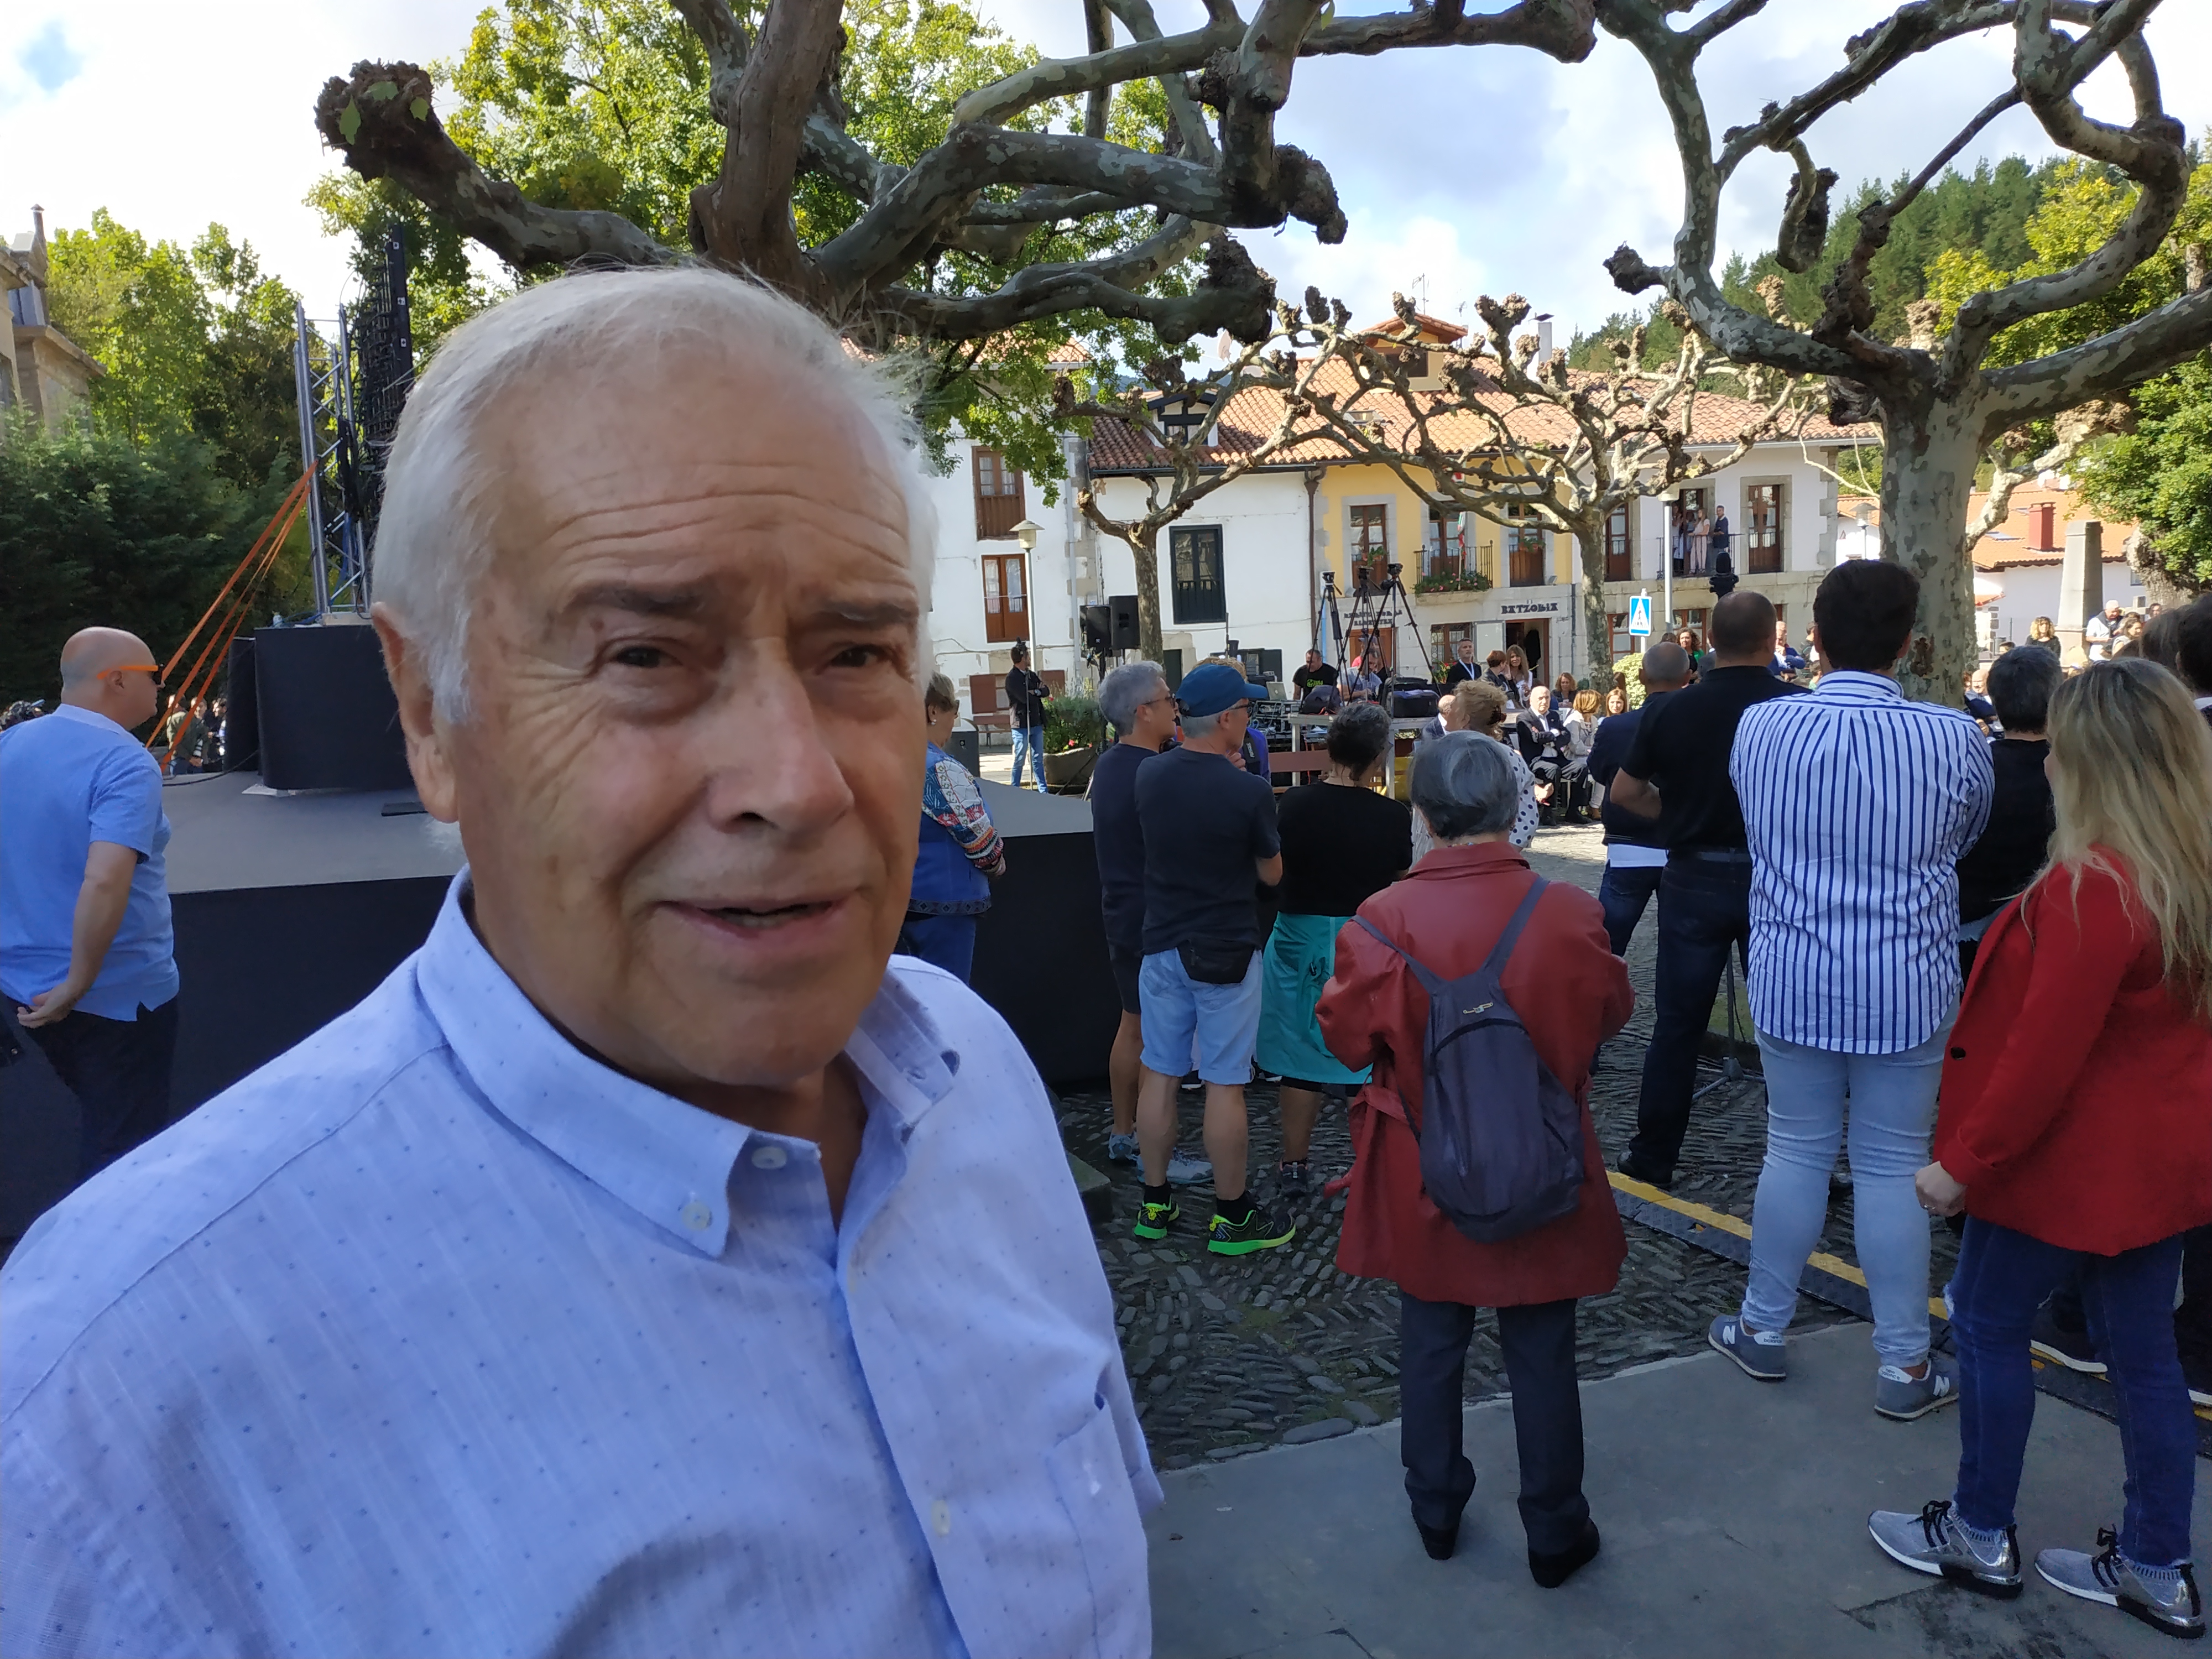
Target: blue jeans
[[1624, 892], [1030, 742], [2003, 1277], [1704, 907], [946, 942], [1893, 1113]]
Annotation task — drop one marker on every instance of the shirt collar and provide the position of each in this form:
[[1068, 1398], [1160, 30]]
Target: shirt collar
[[1858, 684], [1454, 860], [666, 1159], [91, 717]]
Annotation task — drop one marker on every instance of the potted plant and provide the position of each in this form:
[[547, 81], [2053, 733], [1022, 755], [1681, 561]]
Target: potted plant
[[1074, 733]]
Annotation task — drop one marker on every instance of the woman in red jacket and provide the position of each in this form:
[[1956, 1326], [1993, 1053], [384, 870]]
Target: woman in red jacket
[[1571, 993], [2075, 1127]]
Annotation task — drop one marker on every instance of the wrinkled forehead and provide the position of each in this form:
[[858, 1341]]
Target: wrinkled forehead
[[660, 424]]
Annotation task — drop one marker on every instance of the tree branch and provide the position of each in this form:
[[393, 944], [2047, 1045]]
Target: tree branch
[[2102, 367], [381, 121]]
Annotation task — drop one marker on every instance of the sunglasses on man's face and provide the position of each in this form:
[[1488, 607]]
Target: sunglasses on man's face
[[153, 668]]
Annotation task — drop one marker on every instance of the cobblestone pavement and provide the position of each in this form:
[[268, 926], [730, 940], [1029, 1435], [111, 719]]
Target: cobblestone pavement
[[1228, 1355]]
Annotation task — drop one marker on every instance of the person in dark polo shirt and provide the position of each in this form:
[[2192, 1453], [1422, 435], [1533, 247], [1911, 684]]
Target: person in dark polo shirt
[[1634, 855], [1677, 772], [1136, 701], [1209, 829]]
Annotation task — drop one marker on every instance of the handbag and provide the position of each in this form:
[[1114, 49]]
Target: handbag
[[1209, 962]]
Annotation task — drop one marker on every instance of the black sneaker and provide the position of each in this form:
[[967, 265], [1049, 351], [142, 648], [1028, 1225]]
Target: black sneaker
[[1257, 1231], [1635, 1171], [1154, 1220], [2071, 1349], [1192, 1082], [1294, 1179]]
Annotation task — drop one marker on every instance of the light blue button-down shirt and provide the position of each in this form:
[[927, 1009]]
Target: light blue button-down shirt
[[436, 1336], [1858, 805], [67, 779]]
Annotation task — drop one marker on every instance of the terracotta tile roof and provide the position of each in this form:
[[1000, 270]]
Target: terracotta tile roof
[[2017, 540], [1434, 328], [1253, 412], [1067, 352]]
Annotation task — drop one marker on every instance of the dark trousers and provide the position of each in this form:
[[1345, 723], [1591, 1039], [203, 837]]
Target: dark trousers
[[118, 1070], [1538, 1341], [1705, 910], [2193, 1320], [2003, 1277], [949, 941], [1624, 892]]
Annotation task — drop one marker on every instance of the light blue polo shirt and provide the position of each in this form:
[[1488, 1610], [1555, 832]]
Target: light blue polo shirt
[[67, 779]]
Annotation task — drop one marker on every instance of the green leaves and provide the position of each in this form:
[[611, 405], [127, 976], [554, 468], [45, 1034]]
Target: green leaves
[[350, 121]]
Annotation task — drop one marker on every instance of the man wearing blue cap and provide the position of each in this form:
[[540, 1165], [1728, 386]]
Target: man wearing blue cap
[[1209, 830]]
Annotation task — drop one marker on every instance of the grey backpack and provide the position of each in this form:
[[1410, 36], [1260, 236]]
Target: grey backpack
[[1501, 1137]]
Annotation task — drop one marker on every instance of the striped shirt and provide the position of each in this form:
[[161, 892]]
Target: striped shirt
[[1857, 805]]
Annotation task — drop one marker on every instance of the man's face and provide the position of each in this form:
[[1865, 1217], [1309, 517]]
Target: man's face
[[689, 786], [1466, 651], [1313, 659], [1539, 699], [1156, 716]]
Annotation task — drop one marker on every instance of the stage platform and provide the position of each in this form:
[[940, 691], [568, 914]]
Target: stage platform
[[289, 908]]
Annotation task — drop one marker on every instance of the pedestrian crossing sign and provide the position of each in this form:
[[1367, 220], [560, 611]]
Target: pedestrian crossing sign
[[1639, 615]]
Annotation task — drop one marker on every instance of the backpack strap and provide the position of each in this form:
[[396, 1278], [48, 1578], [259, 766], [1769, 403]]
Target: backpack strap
[[1429, 981], [1503, 950]]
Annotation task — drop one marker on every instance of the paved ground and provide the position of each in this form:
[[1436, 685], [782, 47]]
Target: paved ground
[[1733, 1515], [1228, 1357]]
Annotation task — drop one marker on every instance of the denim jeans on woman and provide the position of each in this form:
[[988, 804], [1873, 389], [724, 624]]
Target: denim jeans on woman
[[1892, 1111], [2003, 1277]]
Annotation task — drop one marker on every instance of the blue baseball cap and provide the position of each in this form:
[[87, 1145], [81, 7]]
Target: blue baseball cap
[[1212, 687]]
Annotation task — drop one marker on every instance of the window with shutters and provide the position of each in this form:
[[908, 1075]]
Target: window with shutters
[[1526, 542], [1006, 597], [1619, 565], [1194, 574], [1371, 543], [1762, 528], [998, 496]]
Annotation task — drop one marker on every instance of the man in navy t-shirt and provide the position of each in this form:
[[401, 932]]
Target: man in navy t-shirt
[[1209, 833]]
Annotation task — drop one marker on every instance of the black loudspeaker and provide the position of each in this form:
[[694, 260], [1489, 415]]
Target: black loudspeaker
[[1122, 635], [241, 716], [328, 719], [1097, 629], [1171, 665], [1413, 705]]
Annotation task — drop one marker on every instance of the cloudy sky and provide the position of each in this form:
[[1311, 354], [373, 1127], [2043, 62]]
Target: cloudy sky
[[1463, 172]]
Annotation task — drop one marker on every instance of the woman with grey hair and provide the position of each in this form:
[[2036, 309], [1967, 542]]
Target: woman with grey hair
[[1341, 845], [1560, 976]]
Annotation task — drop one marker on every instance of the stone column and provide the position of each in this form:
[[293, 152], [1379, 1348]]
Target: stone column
[[2080, 582]]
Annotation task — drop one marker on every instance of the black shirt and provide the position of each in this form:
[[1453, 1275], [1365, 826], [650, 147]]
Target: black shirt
[[1118, 843], [1682, 746], [1025, 696], [1341, 847], [2018, 836], [1206, 822], [1461, 670], [1314, 674], [1616, 735]]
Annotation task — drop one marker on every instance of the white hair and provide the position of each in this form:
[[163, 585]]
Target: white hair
[[435, 537]]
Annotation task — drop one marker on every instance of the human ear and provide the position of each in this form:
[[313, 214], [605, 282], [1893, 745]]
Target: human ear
[[428, 755]]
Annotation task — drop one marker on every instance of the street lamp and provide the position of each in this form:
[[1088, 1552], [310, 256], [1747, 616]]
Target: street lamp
[[1025, 532]]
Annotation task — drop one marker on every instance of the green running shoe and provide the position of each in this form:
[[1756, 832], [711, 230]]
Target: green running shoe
[[1257, 1231], [1154, 1220]]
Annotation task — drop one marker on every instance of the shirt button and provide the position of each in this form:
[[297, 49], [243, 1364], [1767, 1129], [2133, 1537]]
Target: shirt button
[[940, 1518], [769, 1158], [697, 1216]]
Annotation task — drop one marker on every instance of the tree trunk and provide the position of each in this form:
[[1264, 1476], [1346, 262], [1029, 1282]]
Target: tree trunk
[[1144, 553], [1597, 625], [1928, 472]]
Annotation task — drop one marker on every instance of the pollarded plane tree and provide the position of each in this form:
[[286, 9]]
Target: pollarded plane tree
[[1486, 428], [988, 189], [1940, 404], [1196, 434]]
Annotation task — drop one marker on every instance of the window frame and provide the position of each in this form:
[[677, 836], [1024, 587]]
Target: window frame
[[994, 518], [1762, 558], [1620, 546], [1000, 623], [1184, 536]]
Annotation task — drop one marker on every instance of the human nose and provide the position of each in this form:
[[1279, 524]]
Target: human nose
[[772, 763]]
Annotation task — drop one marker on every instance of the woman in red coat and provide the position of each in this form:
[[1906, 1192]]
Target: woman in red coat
[[2076, 1130], [1572, 993]]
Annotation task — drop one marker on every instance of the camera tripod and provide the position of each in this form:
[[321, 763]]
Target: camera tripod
[[1379, 612]]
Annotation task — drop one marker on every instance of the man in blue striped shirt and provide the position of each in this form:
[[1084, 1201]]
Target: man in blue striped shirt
[[1857, 805]]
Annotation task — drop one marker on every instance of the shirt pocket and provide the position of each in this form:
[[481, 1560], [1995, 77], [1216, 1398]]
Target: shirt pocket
[[1093, 1487]]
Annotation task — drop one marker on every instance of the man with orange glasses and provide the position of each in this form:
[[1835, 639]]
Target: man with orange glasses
[[87, 961]]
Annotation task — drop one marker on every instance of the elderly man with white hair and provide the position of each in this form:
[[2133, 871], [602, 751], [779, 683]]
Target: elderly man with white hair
[[646, 1266]]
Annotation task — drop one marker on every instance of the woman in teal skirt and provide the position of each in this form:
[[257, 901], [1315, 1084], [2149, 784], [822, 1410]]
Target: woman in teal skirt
[[1342, 843]]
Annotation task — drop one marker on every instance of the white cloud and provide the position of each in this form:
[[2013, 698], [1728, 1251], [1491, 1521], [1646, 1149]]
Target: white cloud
[[1490, 169]]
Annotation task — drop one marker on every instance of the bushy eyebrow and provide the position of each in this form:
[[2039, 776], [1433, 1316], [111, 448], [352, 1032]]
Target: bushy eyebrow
[[886, 613], [639, 600]]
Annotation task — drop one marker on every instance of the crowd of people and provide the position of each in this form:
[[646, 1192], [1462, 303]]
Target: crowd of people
[[673, 1246]]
